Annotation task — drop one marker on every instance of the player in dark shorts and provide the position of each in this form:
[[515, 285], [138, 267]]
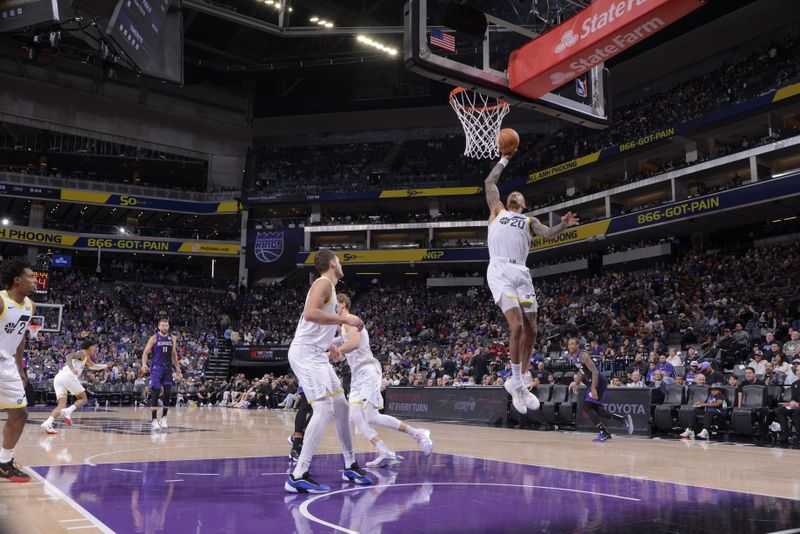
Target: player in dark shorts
[[165, 359], [596, 385], [301, 420]]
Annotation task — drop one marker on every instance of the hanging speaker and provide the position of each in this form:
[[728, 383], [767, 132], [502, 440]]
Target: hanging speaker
[[465, 19]]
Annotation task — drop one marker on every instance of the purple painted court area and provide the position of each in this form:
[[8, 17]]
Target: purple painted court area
[[440, 493]]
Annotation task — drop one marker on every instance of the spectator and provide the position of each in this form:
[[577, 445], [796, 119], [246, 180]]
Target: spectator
[[758, 363], [792, 347], [790, 409], [674, 359], [714, 407], [636, 380], [712, 375], [750, 379], [692, 372]]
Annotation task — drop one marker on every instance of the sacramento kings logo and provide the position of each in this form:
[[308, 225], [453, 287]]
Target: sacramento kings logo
[[268, 246]]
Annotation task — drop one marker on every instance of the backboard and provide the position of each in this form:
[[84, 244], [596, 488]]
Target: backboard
[[443, 41]]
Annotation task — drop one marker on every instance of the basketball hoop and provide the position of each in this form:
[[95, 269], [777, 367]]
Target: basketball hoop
[[481, 117], [33, 329]]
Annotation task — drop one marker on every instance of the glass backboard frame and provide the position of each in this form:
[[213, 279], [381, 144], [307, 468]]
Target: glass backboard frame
[[420, 59]]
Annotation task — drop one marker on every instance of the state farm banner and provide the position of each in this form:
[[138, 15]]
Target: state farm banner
[[485, 404], [598, 33], [635, 402], [273, 248]]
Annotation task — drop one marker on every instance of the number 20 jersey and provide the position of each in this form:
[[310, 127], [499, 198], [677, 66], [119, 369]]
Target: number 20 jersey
[[510, 236]]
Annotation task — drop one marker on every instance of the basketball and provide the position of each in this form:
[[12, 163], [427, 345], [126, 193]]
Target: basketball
[[507, 140]]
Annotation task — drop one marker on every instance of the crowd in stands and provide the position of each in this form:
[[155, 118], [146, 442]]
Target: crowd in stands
[[730, 307], [437, 162]]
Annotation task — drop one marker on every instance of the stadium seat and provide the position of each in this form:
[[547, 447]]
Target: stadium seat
[[774, 393], [687, 416], [567, 411], [101, 392], [680, 370], [542, 392], [127, 394], [550, 409], [115, 394], [750, 419], [666, 414], [567, 377]]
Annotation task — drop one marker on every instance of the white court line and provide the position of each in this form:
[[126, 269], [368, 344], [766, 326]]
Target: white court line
[[648, 479], [308, 515], [199, 474], [79, 528], [175, 480], [70, 501], [88, 460], [72, 520], [126, 470], [790, 531], [48, 499]]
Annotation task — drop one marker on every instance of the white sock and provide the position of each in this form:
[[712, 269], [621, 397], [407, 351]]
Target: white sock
[[68, 410], [341, 412], [516, 374], [6, 455], [323, 411], [410, 430], [383, 449], [49, 421]]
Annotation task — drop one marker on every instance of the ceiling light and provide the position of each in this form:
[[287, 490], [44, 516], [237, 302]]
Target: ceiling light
[[322, 22], [329, 25], [290, 10], [313, 19], [6, 222], [375, 44]]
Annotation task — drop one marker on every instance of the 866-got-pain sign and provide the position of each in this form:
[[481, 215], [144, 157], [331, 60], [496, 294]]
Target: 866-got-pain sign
[[273, 248]]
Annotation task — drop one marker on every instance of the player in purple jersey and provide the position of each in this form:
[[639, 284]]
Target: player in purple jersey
[[165, 358], [596, 384]]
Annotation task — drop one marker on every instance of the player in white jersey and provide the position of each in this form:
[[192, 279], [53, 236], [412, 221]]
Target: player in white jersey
[[16, 310], [509, 238], [68, 381], [365, 394], [315, 336]]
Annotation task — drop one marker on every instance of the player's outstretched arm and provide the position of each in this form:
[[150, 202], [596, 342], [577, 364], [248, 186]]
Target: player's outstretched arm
[[491, 190], [549, 232]]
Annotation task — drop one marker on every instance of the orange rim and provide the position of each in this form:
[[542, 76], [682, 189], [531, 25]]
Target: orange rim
[[500, 104]]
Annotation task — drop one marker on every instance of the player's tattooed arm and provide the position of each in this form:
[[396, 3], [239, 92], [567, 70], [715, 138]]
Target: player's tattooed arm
[[549, 232], [491, 190]]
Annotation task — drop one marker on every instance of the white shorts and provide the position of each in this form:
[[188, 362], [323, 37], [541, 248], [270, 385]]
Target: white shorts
[[314, 372], [65, 383], [511, 286], [365, 387], [12, 392]]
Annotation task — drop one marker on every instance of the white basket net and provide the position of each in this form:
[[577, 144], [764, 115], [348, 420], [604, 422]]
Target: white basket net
[[33, 330], [481, 117]]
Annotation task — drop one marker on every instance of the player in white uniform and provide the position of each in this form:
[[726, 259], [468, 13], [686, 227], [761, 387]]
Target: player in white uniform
[[16, 310], [510, 234], [68, 381], [365, 393], [314, 337]]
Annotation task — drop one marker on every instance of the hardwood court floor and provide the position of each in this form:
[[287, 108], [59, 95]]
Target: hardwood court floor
[[122, 436]]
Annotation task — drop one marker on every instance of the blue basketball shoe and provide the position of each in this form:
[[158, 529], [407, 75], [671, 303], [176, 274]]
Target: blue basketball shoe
[[356, 475], [305, 484]]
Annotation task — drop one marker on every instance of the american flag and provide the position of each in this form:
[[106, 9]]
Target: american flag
[[443, 40]]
